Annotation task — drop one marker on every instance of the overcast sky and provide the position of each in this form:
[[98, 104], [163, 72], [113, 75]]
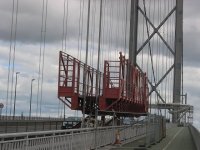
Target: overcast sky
[[28, 37]]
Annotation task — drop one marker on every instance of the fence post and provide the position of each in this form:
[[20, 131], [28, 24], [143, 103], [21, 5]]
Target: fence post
[[72, 140], [26, 126], [53, 140], [26, 142]]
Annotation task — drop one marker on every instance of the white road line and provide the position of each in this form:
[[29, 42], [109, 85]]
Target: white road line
[[172, 139]]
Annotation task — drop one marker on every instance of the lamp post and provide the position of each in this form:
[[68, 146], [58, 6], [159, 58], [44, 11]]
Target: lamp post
[[31, 98], [15, 94], [1, 107]]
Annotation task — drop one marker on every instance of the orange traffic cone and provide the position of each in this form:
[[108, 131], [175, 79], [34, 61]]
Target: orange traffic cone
[[117, 138]]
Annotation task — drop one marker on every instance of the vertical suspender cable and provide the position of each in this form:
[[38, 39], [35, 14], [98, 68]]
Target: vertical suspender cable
[[102, 52], [149, 46], [169, 59], [142, 37], [85, 67], [97, 78], [149, 43], [63, 33], [9, 62], [126, 22], [66, 24], [93, 35], [173, 39], [63, 37], [39, 69], [166, 82], [116, 31], [161, 46], [14, 50], [82, 28], [107, 29], [170, 43], [79, 31], [98, 64], [110, 29], [104, 37], [43, 55]]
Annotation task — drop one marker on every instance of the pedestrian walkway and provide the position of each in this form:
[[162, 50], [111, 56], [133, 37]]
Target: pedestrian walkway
[[177, 138]]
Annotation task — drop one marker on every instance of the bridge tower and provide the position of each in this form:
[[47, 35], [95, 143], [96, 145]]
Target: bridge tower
[[175, 49], [178, 58], [133, 31]]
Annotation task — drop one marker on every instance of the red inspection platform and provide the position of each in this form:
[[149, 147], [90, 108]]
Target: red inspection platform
[[122, 87]]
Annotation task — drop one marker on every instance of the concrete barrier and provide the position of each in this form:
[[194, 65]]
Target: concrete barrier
[[195, 136]]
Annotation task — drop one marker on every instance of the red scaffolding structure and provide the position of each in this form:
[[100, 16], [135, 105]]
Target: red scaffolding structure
[[125, 88], [122, 87]]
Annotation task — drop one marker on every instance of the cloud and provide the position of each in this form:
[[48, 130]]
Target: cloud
[[30, 21], [191, 33]]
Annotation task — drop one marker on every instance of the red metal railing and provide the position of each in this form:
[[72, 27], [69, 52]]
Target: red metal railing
[[71, 89]]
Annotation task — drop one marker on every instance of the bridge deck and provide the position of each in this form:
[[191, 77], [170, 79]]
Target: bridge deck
[[177, 138]]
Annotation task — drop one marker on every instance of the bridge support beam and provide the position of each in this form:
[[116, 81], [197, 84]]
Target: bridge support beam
[[178, 55]]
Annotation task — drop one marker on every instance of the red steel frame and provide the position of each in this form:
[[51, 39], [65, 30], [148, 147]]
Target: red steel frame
[[124, 87]]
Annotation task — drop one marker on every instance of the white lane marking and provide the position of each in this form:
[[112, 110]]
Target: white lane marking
[[172, 139]]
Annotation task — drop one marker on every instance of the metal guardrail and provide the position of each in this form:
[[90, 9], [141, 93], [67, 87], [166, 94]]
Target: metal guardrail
[[13, 126], [29, 118], [156, 129], [74, 139], [195, 136]]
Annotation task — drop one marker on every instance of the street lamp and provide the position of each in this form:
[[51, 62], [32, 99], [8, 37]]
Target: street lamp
[[1, 107], [15, 94], [31, 98]]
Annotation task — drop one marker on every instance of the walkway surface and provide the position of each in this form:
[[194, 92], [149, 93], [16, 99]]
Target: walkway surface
[[177, 138]]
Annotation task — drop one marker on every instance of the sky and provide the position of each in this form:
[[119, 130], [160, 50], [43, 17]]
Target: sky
[[28, 45]]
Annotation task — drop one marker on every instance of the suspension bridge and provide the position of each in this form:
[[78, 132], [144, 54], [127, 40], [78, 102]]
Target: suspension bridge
[[119, 67]]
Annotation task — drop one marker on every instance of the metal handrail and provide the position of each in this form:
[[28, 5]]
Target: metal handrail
[[73, 139]]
